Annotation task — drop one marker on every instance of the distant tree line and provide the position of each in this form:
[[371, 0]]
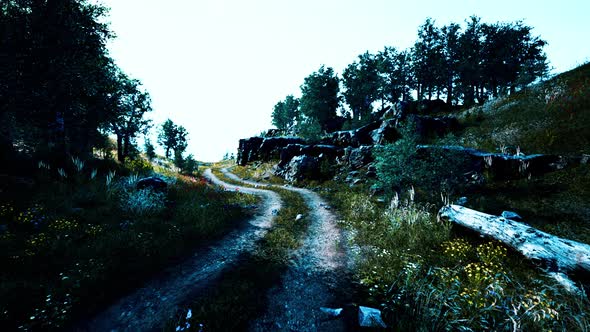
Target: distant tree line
[[461, 65], [60, 91]]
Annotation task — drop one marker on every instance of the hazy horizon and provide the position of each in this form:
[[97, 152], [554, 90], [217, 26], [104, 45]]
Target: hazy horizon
[[218, 67]]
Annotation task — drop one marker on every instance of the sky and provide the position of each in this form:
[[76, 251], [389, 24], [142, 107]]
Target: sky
[[217, 67]]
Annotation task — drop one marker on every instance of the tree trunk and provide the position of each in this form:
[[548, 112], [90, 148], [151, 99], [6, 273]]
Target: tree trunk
[[450, 93], [126, 146], [120, 156], [559, 256]]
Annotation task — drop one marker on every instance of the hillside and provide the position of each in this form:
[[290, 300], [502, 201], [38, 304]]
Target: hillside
[[526, 153], [552, 117]]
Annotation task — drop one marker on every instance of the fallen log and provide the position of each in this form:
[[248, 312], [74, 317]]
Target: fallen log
[[559, 256]]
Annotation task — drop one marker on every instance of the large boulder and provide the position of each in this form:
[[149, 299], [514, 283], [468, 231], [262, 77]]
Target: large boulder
[[325, 151], [153, 183], [428, 126], [270, 148], [263, 149], [358, 157], [378, 132], [248, 150], [302, 167], [504, 166], [386, 133]]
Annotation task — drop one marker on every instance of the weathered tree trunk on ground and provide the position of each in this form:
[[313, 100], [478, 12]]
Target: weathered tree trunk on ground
[[559, 256]]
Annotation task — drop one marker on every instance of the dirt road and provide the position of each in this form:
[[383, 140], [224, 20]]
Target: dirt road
[[150, 307]]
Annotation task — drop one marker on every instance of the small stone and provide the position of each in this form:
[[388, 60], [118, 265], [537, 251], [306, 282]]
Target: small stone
[[461, 201], [299, 217], [370, 317], [331, 312], [511, 215]]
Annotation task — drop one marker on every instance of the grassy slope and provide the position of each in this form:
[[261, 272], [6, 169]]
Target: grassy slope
[[552, 118]]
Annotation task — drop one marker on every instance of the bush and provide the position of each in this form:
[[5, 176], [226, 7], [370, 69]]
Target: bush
[[143, 202], [400, 165], [138, 166]]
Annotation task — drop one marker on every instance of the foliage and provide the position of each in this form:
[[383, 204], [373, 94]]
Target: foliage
[[190, 165], [401, 165], [143, 202], [286, 113], [319, 98], [138, 166], [310, 129], [78, 235], [424, 279], [361, 81], [150, 150]]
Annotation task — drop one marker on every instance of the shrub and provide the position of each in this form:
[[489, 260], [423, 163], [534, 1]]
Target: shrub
[[143, 202], [400, 165], [138, 165]]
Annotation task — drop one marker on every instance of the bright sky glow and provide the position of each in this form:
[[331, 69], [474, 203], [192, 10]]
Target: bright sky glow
[[218, 67]]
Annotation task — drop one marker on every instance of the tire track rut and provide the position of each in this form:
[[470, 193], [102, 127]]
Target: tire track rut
[[318, 271]]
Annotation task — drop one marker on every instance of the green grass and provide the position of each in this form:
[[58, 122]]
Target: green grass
[[240, 294], [552, 117], [427, 276], [259, 172], [71, 245]]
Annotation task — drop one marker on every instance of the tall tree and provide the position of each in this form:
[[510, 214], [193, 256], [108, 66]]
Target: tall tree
[[55, 74], [450, 48], [285, 113], [396, 75], [167, 137], [150, 150], [181, 139], [428, 59], [132, 104], [319, 98], [362, 81], [511, 56], [470, 61]]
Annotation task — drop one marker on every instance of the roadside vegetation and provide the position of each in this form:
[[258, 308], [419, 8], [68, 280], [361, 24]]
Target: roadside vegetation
[[83, 235], [426, 276]]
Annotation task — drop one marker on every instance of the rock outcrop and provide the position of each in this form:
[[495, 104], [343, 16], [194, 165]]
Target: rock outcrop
[[258, 148], [505, 166], [301, 167]]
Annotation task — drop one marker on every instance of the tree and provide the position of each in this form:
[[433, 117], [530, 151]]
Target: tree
[[172, 138], [428, 60], [361, 81], [181, 139], [396, 75], [319, 98], [167, 137], [55, 74], [512, 57], [132, 104], [178, 159], [150, 150], [470, 60], [190, 165], [285, 113], [450, 48]]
